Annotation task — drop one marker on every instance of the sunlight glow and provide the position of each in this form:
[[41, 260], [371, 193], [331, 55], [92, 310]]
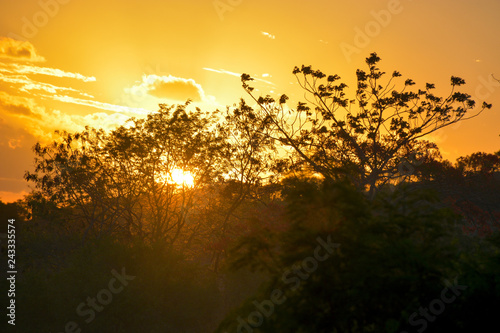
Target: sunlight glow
[[182, 177]]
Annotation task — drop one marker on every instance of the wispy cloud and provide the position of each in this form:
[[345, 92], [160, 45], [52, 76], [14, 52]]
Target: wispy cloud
[[101, 105], [268, 35], [19, 77], [27, 113], [26, 84], [40, 121], [26, 69], [223, 71]]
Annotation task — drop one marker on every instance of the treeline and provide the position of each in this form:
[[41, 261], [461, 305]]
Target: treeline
[[334, 216]]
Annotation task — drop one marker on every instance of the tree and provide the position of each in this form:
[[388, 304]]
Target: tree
[[71, 176], [169, 141], [479, 162], [121, 182], [248, 157], [366, 138], [377, 262]]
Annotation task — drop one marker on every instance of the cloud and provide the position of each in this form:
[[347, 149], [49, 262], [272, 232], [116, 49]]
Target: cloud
[[18, 50], [268, 35], [18, 77], [169, 87], [15, 149], [24, 114], [12, 137], [15, 106], [16, 109], [27, 84], [223, 71], [101, 105], [25, 119], [25, 69], [17, 74]]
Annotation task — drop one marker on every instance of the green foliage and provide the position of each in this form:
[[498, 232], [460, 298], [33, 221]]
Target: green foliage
[[168, 294], [394, 255]]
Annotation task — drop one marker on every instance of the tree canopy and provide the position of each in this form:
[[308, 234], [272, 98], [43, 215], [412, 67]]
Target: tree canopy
[[338, 205], [367, 137]]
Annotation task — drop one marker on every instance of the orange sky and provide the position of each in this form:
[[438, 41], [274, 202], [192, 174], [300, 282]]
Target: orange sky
[[65, 64]]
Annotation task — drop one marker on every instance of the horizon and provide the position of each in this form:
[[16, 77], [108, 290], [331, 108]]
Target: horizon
[[68, 64]]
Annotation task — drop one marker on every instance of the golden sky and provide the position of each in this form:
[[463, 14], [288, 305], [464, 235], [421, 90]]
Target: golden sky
[[65, 64]]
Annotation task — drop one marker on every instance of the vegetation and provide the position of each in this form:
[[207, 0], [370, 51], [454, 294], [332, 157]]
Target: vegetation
[[365, 138], [337, 216]]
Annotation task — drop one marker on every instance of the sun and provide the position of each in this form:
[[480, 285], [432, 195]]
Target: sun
[[181, 177], [175, 176]]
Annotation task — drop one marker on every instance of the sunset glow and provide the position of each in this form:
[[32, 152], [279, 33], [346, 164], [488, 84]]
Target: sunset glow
[[183, 178], [250, 166], [69, 64]]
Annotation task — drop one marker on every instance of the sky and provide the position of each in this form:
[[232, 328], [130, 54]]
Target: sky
[[65, 64]]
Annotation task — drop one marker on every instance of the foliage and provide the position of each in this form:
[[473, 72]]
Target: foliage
[[248, 155], [364, 138], [479, 162], [271, 187], [394, 254], [481, 273], [168, 293], [121, 182]]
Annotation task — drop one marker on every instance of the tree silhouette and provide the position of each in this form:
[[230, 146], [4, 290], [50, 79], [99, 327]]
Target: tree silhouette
[[479, 162], [248, 156], [392, 256], [121, 182], [364, 138]]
